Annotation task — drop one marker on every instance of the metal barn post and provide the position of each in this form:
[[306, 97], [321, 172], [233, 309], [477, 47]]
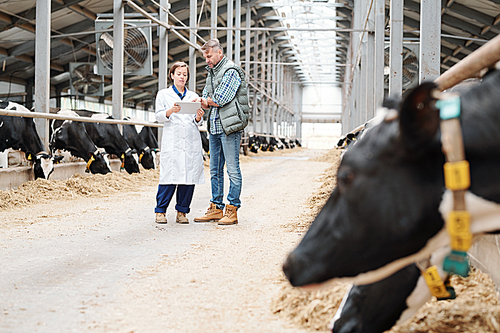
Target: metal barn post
[[237, 33], [248, 16], [163, 55], [379, 53], [370, 62], [192, 38], [229, 34], [42, 67], [163, 48], [430, 40], [396, 49], [213, 19], [118, 40]]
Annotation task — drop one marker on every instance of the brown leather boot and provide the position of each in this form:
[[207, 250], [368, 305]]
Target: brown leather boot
[[230, 216], [181, 218], [213, 214], [161, 218]]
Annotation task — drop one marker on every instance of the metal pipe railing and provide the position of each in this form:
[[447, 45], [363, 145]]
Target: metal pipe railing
[[82, 119]]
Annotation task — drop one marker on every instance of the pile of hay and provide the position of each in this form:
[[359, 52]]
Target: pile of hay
[[43, 191], [476, 308]]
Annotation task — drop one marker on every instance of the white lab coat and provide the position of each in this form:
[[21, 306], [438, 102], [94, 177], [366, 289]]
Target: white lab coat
[[181, 157]]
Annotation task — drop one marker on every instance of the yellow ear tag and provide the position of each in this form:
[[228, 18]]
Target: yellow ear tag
[[434, 282], [29, 157], [457, 175], [92, 159], [140, 157]]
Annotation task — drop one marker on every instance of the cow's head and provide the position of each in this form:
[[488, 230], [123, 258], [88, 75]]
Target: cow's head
[[43, 164], [147, 158], [130, 161], [385, 205], [98, 163]]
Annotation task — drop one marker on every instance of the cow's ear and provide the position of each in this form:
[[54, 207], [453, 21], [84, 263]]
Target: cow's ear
[[419, 117]]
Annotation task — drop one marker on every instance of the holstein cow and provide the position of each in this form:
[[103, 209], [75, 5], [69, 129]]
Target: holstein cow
[[71, 136], [387, 209], [108, 136], [253, 143], [276, 142], [20, 133], [147, 155], [378, 306], [148, 135]]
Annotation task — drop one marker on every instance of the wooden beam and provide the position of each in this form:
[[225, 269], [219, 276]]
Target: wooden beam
[[5, 18], [85, 12]]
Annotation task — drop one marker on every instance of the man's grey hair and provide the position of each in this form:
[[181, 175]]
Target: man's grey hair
[[212, 44]]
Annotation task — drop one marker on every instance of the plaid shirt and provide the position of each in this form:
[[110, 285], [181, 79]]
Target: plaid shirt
[[223, 94]]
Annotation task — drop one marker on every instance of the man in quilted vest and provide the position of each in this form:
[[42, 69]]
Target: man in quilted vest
[[225, 96]]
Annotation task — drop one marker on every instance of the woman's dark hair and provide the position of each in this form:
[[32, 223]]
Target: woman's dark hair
[[174, 67]]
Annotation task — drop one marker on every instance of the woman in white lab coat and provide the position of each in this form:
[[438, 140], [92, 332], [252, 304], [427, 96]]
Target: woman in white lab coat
[[181, 157]]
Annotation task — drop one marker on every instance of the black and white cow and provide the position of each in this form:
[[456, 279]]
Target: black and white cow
[[149, 135], [108, 136], [253, 143], [71, 136], [285, 143], [20, 133], [387, 209], [147, 155], [378, 306], [275, 141]]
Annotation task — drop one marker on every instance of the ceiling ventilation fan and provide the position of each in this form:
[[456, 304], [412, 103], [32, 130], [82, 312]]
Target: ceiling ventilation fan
[[83, 81], [136, 47], [410, 66]]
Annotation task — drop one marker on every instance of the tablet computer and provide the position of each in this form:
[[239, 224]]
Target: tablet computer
[[189, 107]]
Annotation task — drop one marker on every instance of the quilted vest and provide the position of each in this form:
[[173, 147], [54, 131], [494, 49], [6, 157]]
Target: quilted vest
[[234, 115]]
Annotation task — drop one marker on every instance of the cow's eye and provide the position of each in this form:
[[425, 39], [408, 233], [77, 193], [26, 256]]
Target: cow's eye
[[345, 179]]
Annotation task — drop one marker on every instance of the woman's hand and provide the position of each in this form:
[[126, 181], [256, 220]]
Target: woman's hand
[[199, 114], [204, 103], [174, 109]]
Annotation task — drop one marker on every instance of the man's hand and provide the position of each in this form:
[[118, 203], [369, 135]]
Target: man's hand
[[211, 102]]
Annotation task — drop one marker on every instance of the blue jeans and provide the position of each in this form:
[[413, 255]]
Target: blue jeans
[[225, 148], [184, 196]]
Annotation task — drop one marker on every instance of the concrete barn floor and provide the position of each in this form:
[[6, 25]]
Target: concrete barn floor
[[103, 265]]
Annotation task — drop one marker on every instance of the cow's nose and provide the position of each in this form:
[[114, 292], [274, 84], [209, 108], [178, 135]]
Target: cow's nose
[[288, 267]]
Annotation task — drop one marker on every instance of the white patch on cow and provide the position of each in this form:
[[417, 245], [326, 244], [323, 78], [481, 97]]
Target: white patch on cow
[[68, 113], [138, 128], [1, 124], [136, 157], [47, 165], [340, 308], [100, 116], [106, 160], [421, 294], [153, 154], [18, 107]]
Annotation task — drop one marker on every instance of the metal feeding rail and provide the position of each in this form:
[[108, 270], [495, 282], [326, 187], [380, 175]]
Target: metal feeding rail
[[82, 119]]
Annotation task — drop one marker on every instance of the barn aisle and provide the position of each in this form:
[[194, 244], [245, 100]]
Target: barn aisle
[[103, 265]]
